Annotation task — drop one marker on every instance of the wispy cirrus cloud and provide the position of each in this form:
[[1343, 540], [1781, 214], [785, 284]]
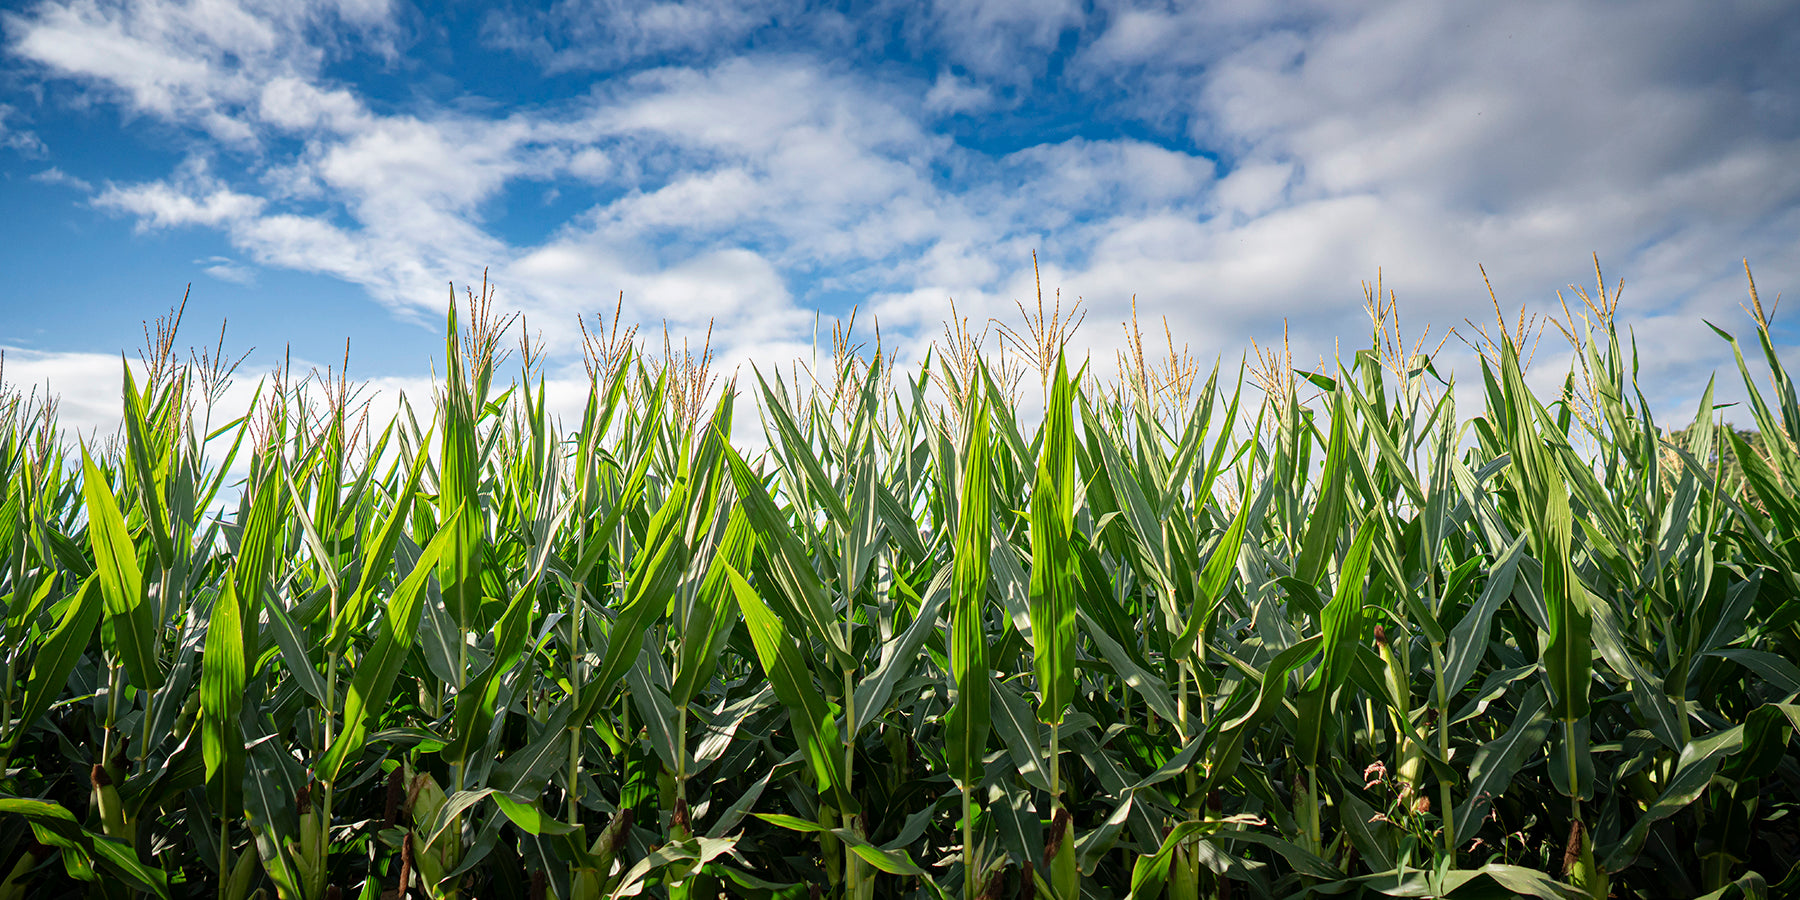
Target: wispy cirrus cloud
[[225, 268], [605, 34], [19, 140], [54, 175]]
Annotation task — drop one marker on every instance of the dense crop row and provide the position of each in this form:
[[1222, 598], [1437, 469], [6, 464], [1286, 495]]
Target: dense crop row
[[1324, 636]]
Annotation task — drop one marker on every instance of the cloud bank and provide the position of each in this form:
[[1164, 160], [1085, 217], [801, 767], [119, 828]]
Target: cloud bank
[[1228, 165]]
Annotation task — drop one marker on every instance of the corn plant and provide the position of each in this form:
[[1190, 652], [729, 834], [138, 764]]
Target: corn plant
[[1278, 634]]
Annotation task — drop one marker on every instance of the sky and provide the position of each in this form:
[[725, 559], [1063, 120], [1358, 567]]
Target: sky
[[325, 171]]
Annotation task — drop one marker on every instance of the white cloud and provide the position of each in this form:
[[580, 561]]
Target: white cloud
[[298, 105], [1283, 153], [1253, 188], [54, 175], [24, 142], [952, 94], [160, 205], [197, 63], [601, 34], [1114, 177], [88, 388], [192, 197], [1520, 135], [1002, 39], [227, 269], [86, 385]]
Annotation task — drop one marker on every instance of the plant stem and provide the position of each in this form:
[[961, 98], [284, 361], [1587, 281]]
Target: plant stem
[[156, 650], [1190, 779], [575, 606], [681, 776], [224, 857], [1443, 740], [462, 683], [1313, 830], [1569, 758], [852, 862], [968, 830]]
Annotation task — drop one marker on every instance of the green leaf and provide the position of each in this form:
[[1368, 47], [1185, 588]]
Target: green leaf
[[58, 827], [293, 645], [1773, 667], [378, 549], [653, 580], [1699, 761], [785, 665], [1151, 870], [789, 564], [1147, 686], [259, 539], [1018, 729], [1492, 769], [475, 705], [67, 642], [1273, 683], [1653, 704], [893, 862], [529, 818], [967, 721], [1214, 578], [223, 673], [1327, 517], [525, 771], [1468, 640], [137, 440], [1055, 565], [460, 462], [1568, 654], [795, 446], [901, 655], [121, 580], [714, 613], [372, 689], [1341, 622]]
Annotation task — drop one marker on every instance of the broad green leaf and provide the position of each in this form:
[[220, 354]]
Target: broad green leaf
[[1213, 581], [792, 569], [57, 657], [1468, 641], [901, 655], [784, 663], [223, 673], [529, 818], [1147, 686], [143, 460], [714, 614], [1341, 622], [134, 626], [967, 721], [1018, 729], [1055, 565], [653, 579], [1326, 521]]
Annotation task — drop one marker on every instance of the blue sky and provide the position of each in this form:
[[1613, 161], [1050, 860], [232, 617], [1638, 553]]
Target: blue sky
[[323, 171]]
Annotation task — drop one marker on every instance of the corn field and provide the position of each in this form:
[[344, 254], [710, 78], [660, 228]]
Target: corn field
[[1314, 634]]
